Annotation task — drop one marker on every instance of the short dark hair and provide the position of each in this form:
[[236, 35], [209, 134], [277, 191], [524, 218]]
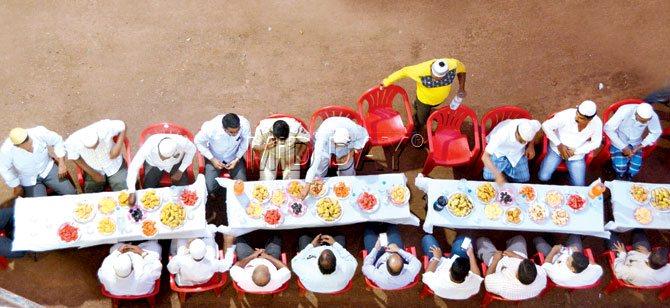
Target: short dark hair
[[327, 262], [230, 120], [280, 129], [658, 258], [459, 269], [579, 261], [527, 272]]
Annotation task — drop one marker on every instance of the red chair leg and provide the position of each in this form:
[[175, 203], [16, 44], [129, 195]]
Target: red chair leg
[[428, 166], [182, 297], [218, 291], [612, 286], [4, 263], [240, 295], [487, 300], [424, 292], [152, 301], [115, 303], [665, 294]]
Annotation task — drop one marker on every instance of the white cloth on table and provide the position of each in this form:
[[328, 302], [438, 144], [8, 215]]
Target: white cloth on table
[[502, 142], [149, 153], [143, 276], [560, 274], [97, 158], [623, 129], [379, 274], [20, 167], [563, 129], [242, 276], [504, 281], [442, 285], [305, 266], [189, 272], [214, 142], [632, 267]]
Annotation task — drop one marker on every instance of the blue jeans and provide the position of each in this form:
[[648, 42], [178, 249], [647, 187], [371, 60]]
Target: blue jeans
[[576, 168], [7, 225], [429, 240], [371, 234]]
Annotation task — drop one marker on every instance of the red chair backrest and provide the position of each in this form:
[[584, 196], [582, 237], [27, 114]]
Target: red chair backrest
[[164, 128], [452, 119], [333, 111], [499, 114]]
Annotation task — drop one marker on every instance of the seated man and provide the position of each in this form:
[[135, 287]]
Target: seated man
[[568, 266], [26, 166], [93, 149], [511, 274], [259, 270], [390, 267], [282, 142], [131, 270], [195, 261], [573, 133], [509, 147], [323, 265], [641, 266], [457, 277], [625, 129], [7, 225]]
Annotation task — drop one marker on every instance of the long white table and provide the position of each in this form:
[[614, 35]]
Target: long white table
[[623, 208], [37, 220], [587, 222], [240, 223]]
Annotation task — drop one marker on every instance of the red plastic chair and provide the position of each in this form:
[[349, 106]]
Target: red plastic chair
[[4, 262], [337, 111], [427, 291], [491, 119], [370, 285], [562, 167], [616, 283], [241, 292], [302, 291], [170, 128], [150, 297], [126, 158], [448, 146], [550, 284], [383, 123], [215, 284]]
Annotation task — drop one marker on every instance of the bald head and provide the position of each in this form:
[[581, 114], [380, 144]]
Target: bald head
[[261, 275], [327, 262], [395, 264]]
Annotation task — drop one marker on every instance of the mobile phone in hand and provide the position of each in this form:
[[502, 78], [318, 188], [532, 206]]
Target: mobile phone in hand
[[466, 243], [383, 239]]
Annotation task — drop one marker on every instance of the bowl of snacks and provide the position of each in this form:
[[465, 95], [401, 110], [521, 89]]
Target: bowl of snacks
[[399, 195], [294, 188], [460, 205], [149, 228], [660, 199], [278, 197], [514, 215], [318, 188], [553, 198], [341, 190], [538, 213], [273, 217], [123, 198], [254, 209], [493, 210], [486, 193], [68, 233], [261, 193], [150, 200], [560, 217], [106, 226], [576, 202], [188, 197], [297, 208], [527, 193], [367, 202], [173, 215], [106, 205], [643, 215], [83, 212], [328, 209], [135, 214], [506, 196]]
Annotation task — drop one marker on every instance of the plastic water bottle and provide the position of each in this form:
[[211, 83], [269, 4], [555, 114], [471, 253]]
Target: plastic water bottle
[[456, 101]]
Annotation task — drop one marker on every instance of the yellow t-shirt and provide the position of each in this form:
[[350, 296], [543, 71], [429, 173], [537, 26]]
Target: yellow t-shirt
[[428, 90]]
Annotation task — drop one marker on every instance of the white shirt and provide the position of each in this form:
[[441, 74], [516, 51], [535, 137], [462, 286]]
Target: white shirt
[[501, 141], [324, 146], [379, 274], [563, 129], [297, 134], [632, 267], [623, 129], [306, 266], [20, 167], [440, 282], [213, 141], [97, 158], [189, 272], [560, 274], [242, 276], [505, 283], [141, 280], [149, 153]]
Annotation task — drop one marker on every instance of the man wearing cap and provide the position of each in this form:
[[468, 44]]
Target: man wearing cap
[[93, 149], [195, 261], [26, 166], [626, 129], [509, 147], [282, 142], [573, 133], [130, 269], [160, 153], [433, 83], [223, 141]]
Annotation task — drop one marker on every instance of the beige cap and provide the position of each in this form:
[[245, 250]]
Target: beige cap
[[18, 135], [123, 266]]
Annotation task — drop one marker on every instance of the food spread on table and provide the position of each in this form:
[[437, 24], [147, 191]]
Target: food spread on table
[[506, 197], [576, 202], [294, 189], [341, 190], [660, 198], [560, 217], [149, 228], [367, 202], [188, 197], [68, 233], [398, 194], [123, 198], [150, 200], [639, 193], [513, 215], [553, 199], [317, 188], [272, 217], [106, 205], [527, 192], [173, 215], [460, 205], [278, 197], [537, 213], [83, 212], [486, 192], [260, 193], [328, 209], [643, 215], [254, 210], [493, 211], [106, 226]]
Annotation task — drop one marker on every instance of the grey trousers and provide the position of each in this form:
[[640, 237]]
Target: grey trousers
[[153, 175], [243, 249], [574, 241], [421, 114], [211, 173], [486, 249], [306, 239], [61, 187], [117, 181]]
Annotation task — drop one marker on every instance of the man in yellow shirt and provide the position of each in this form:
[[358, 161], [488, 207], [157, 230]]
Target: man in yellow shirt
[[433, 84]]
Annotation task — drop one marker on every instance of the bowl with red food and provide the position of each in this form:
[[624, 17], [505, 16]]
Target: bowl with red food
[[367, 202], [188, 197], [273, 217], [68, 232], [576, 202]]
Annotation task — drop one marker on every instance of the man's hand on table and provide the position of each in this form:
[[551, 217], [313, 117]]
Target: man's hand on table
[[316, 241], [131, 199], [328, 239], [304, 190]]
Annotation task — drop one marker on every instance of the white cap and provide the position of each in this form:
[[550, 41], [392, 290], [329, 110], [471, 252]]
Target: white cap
[[439, 68], [197, 249], [644, 110], [167, 147], [528, 129], [341, 135], [587, 108], [89, 138], [123, 265]]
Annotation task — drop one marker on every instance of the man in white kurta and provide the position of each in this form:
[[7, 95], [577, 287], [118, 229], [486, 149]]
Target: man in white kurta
[[282, 141], [94, 150], [195, 261], [131, 270], [26, 166], [509, 147]]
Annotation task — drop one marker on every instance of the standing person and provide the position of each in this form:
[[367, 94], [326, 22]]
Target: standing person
[[567, 266], [195, 261], [389, 266], [130, 269], [625, 129], [26, 166], [282, 142], [322, 264], [642, 266], [509, 147], [433, 83], [260, 269], [93, 149], [457, 277], [223, 141], [573, 133]]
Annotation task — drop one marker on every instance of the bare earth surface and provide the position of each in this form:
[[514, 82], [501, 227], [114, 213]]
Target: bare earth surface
[[64, 65]]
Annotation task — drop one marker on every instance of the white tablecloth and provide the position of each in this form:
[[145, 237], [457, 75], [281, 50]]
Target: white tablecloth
[[589, 221], [37, 220], [623, 208], [239, 223]]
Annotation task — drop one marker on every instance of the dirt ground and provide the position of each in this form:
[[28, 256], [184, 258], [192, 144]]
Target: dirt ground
[[64, 65]]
